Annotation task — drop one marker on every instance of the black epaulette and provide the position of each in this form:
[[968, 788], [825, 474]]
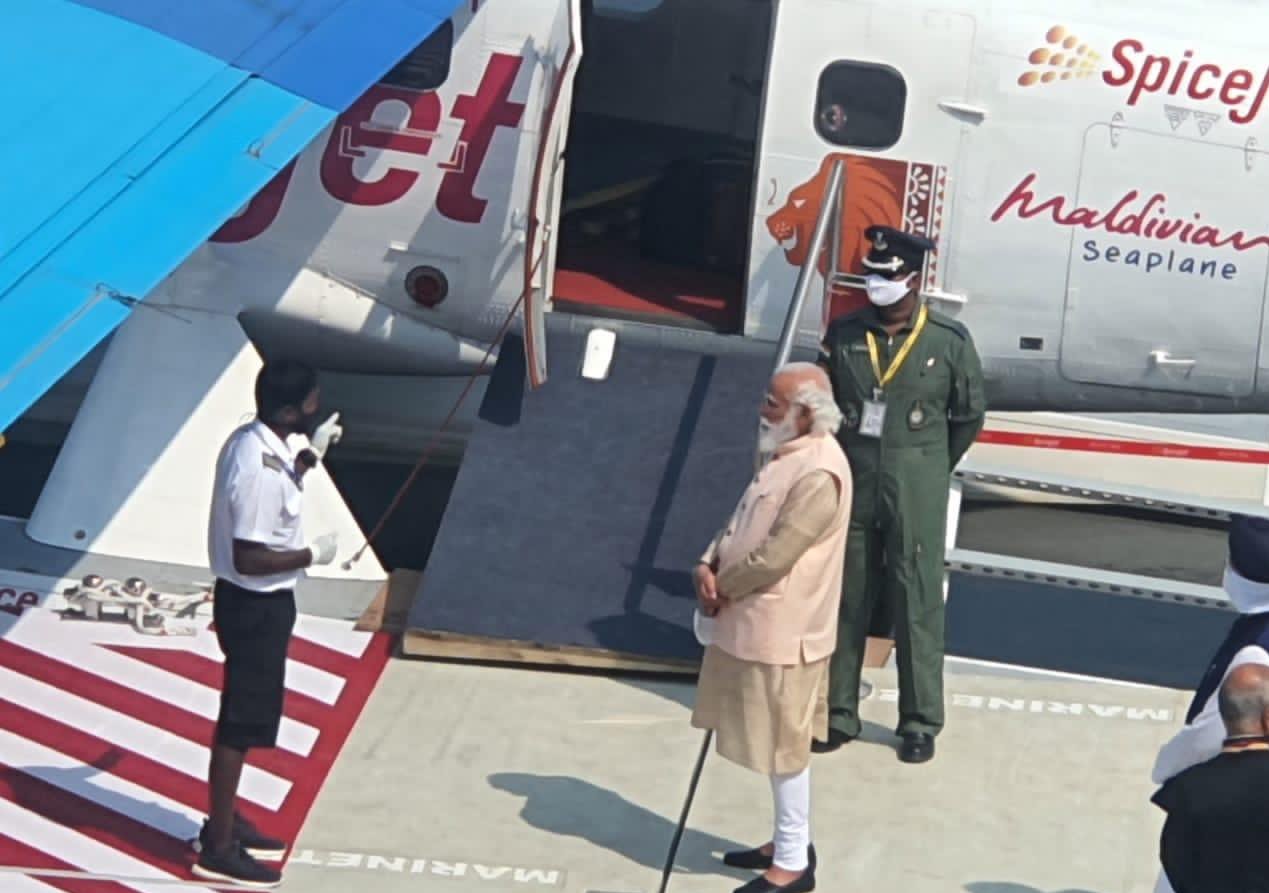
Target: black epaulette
[[844, 324]]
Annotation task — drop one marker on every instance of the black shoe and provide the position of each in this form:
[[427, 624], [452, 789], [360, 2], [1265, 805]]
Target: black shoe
[[236, 867], [917, 747], [257, 845], [756, 859], [835, 740], [803, 883]]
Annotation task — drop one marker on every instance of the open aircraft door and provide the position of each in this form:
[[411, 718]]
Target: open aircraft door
[[847, 82], [558, 58]]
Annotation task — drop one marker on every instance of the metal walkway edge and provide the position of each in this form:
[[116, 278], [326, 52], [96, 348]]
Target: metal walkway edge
[[1026, 570], [1139, 497]]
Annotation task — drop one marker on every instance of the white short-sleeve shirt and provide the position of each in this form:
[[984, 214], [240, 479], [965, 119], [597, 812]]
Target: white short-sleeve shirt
[[257, 497]]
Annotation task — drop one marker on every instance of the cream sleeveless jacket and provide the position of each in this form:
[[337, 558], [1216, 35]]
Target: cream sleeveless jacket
[[795, 620]]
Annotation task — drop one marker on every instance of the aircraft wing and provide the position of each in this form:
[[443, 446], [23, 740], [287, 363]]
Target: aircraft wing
[[135, 128]]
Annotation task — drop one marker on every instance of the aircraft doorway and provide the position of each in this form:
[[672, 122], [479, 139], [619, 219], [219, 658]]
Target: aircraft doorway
[[660, 159]]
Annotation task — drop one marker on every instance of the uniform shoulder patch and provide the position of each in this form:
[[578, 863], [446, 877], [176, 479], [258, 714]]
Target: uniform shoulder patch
[[946, 322], [272, 461]]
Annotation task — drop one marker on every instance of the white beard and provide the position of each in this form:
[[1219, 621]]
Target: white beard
[[772, 437]]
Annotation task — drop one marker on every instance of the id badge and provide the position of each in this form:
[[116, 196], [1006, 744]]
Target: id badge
[[874, 418]]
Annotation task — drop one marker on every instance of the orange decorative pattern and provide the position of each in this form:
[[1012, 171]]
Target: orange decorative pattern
[[1064, 57]]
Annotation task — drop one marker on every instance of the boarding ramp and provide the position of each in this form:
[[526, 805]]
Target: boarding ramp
[[581, 507]]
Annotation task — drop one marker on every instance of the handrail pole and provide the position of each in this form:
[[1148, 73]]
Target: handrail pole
[[834, 248], [807, 273]]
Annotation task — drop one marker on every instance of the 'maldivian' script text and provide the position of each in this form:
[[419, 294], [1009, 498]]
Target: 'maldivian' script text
[[1129, 216]]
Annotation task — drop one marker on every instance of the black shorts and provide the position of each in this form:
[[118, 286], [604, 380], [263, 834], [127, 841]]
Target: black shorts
[[253, 629]]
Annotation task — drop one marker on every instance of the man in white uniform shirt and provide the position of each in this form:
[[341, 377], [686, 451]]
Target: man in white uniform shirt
[[258, 551]]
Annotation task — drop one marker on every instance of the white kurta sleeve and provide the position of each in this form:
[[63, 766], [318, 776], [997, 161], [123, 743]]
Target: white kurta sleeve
[[1201, 740]]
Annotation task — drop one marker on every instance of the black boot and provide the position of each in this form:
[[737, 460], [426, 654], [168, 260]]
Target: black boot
[[917, 747]]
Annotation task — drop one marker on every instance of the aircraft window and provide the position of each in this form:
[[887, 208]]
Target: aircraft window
[[626, 7], [427, 65], [860, 104]]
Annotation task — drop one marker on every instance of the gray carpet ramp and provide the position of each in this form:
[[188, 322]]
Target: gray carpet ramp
[[580, 508]]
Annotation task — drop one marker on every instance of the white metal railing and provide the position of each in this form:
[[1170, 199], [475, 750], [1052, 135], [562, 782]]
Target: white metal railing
[[828, 223]]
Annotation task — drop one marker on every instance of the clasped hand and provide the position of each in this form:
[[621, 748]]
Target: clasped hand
[[707, 590]]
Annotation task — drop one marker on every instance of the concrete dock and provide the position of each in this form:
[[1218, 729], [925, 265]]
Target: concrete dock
[[462, 777]]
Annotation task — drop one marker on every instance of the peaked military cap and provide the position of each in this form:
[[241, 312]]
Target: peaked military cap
[[1249, 547], [894, 251]]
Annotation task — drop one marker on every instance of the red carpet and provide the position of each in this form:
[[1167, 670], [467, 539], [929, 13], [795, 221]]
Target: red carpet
[[610, 274]]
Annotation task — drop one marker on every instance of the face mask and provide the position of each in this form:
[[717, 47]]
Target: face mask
[[884, 292]]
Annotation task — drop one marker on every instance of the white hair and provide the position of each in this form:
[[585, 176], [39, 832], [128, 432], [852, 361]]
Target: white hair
[[816, 394]]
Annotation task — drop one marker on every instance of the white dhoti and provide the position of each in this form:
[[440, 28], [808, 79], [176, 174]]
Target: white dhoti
[[792, 837]]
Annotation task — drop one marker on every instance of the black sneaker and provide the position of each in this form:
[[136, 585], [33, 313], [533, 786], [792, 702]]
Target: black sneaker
[[257, 845], [236, 867]]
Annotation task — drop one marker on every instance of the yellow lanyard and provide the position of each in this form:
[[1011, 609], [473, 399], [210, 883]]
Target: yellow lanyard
[[883, 380]]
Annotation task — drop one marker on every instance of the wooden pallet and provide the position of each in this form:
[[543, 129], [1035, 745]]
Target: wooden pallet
[[485, 649], [390, 609], [389, 612]]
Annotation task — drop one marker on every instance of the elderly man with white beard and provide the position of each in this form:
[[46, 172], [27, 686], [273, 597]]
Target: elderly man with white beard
[[770, 584]]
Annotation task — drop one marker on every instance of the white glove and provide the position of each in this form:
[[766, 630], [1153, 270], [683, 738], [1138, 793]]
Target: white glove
[[326, 435], [323, 549]]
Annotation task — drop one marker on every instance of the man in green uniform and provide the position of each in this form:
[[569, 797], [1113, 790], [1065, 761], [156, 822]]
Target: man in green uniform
[[909, 383]]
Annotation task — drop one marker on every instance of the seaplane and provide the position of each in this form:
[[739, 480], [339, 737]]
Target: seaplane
[[687, 172]]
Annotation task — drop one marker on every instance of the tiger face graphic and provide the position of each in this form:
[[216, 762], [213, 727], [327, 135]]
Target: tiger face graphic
[[874, 194]]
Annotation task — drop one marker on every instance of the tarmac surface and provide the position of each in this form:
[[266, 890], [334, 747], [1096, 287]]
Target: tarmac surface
[[475, 778]]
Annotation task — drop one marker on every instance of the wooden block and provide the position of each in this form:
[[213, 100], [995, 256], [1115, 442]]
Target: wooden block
[[448, 646], [391, 607], [877, 652], [454, 646]]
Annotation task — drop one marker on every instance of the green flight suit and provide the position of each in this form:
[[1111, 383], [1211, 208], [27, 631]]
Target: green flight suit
[[935, 408]]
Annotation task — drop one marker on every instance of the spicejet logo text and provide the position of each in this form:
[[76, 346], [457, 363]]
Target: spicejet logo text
[[1147, 73], [1142, 72]]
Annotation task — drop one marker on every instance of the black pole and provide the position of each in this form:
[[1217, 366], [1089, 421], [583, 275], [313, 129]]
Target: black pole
[[687, 805]]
